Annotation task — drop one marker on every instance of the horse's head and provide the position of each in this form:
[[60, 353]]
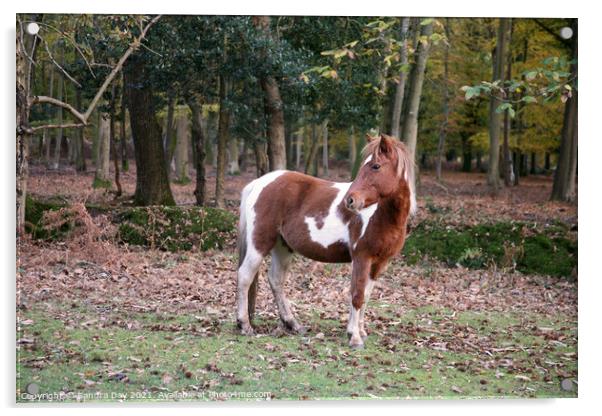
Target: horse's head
[[386, 167]]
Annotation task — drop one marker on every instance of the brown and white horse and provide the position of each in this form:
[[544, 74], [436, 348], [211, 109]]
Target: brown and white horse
[[363, 222]]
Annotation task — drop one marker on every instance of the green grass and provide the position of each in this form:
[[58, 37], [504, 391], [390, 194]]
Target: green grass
[[524, 247], [149, 356]]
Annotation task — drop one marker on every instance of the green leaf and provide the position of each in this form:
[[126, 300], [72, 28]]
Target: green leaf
[[425, 22], [529, 99], [530, 76]]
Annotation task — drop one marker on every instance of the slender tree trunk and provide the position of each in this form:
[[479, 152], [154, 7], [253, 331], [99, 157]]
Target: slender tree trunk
[[403, 76], [182, 146], [170, 133], [299, 149], [22, 137], [198, 141], [325, 148], [113, 139], [234, 153], [125, 162], [152, 181], [222, 141], [565, 178], [56, 158], [352, 147], [101, 177], [48, 140], [244, 157], [274, 107], [310, 166], [80, 156], [410, 125], [495, 118], [444, 124], [533, 169], [508, 170]]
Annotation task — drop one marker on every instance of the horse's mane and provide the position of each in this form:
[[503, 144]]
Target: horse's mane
[[405, 163]]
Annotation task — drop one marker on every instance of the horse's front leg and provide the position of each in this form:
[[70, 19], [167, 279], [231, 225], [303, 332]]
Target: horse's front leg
[[359, 282]]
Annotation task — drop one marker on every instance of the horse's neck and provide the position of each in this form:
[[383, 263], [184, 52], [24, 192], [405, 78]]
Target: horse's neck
[[395, 209]]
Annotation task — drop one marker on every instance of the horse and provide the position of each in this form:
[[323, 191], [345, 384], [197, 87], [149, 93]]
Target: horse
[[362, 222]]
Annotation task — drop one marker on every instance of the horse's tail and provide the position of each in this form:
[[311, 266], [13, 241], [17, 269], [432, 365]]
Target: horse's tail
[[242, 246]]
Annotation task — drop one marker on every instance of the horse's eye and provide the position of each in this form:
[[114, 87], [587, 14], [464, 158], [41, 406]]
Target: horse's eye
[[376, 166]]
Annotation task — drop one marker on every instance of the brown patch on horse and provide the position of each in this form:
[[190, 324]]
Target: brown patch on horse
[[281, 208]]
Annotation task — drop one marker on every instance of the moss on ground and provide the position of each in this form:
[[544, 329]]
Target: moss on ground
[[549, 251], [77, 350], [177, 228]]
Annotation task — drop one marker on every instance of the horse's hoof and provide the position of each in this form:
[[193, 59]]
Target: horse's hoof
[[294, 327], [246, 329], [356, 346]]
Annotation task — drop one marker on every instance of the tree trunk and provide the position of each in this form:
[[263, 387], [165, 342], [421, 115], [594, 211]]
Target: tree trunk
[[222, 141], [508, 170], [152, 182], [113, 139], [533, 163], [352, 147], [261, 157], [564, 188], [181, 150], [233, 153], [125, 162], [403, 76], [198, 141], [101, 177], [495, 118], [310, 166], [298, 149], [56, 158], [325, 148], [444, 124], [48, 136], [80, 156], [410, 125], [22, 137], [170, 134], [274, 107]]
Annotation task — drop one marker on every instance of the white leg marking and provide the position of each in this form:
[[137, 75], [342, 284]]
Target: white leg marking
[[353, 327], [334, 229], [252, 261], [367, 293]]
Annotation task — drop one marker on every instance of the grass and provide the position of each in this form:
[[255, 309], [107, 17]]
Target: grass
[[110, 355]]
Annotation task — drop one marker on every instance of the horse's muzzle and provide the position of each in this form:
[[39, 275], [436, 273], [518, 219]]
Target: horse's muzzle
[[353, 203]]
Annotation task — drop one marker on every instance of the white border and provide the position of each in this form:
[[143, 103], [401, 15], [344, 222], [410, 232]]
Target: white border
[[589, 208]]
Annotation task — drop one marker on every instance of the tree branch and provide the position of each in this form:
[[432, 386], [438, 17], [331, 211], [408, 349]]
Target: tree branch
[[55, 126], [556, 36], [133, 46], [58, 65], [42, 99], [83, 118]]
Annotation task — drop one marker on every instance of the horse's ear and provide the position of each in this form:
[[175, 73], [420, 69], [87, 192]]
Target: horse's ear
[[386, 144], [370, 138]]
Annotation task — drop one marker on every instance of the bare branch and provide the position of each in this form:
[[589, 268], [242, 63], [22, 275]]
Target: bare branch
[[42, 99], [74, 43], [55, 126], [133, 46], [57, 64]]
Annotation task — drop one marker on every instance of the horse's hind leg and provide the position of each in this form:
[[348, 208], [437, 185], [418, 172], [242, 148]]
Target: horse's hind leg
[[281, 259], [247, 289]]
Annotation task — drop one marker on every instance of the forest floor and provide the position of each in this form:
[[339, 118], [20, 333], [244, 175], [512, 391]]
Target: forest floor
[[101, 321]]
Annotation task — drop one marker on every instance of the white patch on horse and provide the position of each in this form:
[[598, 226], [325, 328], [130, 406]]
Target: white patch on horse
[[366, 215], [333, 230], [250, 195], [368, 159]]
